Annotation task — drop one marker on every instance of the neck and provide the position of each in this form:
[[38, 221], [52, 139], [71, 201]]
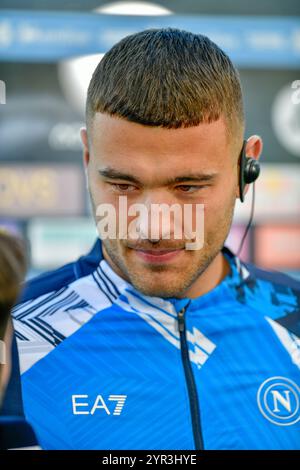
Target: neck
[[210, 278]]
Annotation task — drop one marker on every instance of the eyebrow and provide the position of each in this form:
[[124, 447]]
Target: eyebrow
[[114, 174]]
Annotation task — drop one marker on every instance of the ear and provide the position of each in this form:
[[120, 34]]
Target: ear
[[254, 146], [86, 153]]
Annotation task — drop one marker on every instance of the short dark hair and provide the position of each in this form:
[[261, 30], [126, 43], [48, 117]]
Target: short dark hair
[[168, 78], [12, 271]]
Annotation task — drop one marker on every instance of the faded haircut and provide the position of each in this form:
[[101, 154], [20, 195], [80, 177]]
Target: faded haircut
[[168, 78]]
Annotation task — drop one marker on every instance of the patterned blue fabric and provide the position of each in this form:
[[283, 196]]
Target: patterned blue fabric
[[102, 366]]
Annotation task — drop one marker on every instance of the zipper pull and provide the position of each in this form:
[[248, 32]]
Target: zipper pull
[[181, 323]]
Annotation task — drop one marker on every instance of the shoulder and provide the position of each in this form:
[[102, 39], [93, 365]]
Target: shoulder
[[48, 282], [57, 279], [274, 278], [275, 294], [56, 305]]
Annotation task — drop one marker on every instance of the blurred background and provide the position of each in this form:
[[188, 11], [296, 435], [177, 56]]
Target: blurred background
[[48, 50]]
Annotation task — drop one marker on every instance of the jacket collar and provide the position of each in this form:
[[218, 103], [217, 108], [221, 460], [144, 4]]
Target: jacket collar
[[127, 294]]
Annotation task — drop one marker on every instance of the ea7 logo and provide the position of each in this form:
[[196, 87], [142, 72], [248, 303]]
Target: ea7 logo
[[278, 399], [82, 405]]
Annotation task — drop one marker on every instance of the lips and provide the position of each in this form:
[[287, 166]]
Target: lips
[[158, 256]]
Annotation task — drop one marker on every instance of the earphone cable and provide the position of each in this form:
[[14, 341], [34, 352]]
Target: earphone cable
[[250, 221]]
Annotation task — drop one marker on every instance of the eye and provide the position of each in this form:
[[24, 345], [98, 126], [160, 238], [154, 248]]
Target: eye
[[123, 187], [187, 188]]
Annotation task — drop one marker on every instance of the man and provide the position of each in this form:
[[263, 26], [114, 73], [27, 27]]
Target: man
[[145, 344], [15, 432]]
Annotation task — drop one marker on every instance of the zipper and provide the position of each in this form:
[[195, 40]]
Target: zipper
[[190, 381]]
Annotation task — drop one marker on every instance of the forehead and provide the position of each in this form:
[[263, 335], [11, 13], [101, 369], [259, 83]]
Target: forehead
[[129, 145]]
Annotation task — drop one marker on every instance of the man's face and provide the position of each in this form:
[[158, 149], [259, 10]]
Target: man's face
[[154, 165]]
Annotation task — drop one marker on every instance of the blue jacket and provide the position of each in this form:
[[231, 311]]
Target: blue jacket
[[105, 367]]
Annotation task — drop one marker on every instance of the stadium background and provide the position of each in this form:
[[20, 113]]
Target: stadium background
[[42, 188]]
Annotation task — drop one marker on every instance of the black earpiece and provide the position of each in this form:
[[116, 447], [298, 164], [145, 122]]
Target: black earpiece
[[249, 170]]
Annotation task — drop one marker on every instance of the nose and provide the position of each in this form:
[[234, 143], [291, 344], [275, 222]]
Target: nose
[[159, 218]]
